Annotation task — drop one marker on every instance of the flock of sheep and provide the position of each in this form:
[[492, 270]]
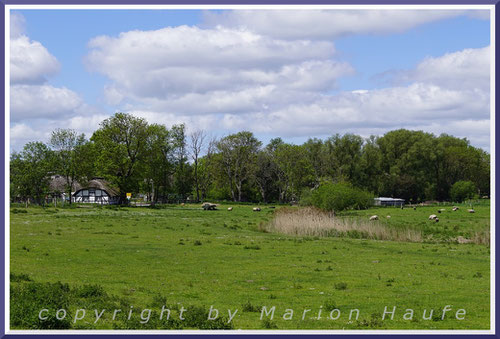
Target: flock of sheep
[[210, 207], [431, 217], [434, 217]]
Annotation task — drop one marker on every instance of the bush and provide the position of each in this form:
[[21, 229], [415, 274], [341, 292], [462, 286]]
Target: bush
[[18, 210], [90, 291], [306, 197], [341, 196], [463, 190], [27, 299], [248, 307]]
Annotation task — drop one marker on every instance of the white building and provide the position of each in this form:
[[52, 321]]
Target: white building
[[382, 201]]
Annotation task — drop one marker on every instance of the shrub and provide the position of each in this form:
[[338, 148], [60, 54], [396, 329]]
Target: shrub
[[27, 299], [330, 305], [340, 196], [463, 190], [197, 317], [90, 291], [252, 247], [19, 277], [268, 324], [249, 307], [341, 286]]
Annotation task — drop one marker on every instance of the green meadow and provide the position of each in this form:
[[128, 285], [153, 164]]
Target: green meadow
[[182, 257]]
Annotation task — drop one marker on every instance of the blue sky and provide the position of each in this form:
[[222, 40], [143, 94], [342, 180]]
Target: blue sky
[[303, 92]]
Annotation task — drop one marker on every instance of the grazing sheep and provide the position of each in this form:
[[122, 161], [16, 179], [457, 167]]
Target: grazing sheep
[[471, 211], [256, 209], [272, 207], [374, 217], [414, 208], [437, 219], [388, 217], [209, 206], [183, 204], [442, 209], [432, 217], [229, 208], [455, 208], [439, 211]]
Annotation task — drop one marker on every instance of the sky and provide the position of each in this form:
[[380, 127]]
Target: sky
[[296, 74]]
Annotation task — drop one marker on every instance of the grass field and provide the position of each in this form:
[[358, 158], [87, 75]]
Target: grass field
[[185, 257]]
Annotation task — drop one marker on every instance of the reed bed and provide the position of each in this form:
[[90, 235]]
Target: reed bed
[[310, 221]]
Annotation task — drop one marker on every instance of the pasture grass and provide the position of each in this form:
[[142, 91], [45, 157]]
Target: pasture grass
[[107, 257]]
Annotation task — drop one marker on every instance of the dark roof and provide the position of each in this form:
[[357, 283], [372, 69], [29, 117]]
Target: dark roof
[[58, 184], [103, 185]]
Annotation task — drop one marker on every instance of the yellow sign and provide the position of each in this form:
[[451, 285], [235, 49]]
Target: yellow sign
[[129, 195]]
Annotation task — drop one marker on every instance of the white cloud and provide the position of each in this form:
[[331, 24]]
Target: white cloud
[[42, 101], [469, 68], [40, 129], [237, 78], [188, 63], [21, 134], [30, 62], [328, 24], [17, 25], [36, 107]]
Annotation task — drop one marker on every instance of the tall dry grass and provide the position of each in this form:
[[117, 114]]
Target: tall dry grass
[[481, 237], [310, 221]]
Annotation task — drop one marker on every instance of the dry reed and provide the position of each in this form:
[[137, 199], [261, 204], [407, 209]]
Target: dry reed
[[313, 222]]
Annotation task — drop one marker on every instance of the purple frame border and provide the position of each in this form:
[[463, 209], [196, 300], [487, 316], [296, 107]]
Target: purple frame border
[[3, 3]]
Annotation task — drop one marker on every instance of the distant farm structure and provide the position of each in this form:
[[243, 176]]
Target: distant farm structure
[[382, 201], [95, 191]]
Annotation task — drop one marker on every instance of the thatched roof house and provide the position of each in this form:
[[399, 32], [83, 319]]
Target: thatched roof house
[[58, 185], [96, 191]]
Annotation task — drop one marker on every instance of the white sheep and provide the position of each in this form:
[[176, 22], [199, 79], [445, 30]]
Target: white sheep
[[432, 217], [256, 209], [388, 217], [455, 208], [229, 208], [471, 211], [374, 217]]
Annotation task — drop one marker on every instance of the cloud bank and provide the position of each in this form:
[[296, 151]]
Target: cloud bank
[[275, 73]]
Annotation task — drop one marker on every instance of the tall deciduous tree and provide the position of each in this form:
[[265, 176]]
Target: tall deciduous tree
[[197, 142], [69, 163], [121, 145], [294, 171], [30, 171], [182, 176], [238, 156]]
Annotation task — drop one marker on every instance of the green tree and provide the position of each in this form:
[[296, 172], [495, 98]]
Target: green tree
[[264, 176], [158, 160], [238, 157], [343, 156], [69, 160], [120, 144], [337, 197], [463, 190], [30, 171], [197, 143], [183, 174], [294, 171]]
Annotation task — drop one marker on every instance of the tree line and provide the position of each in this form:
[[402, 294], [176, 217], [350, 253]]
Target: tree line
[[167, 164]]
